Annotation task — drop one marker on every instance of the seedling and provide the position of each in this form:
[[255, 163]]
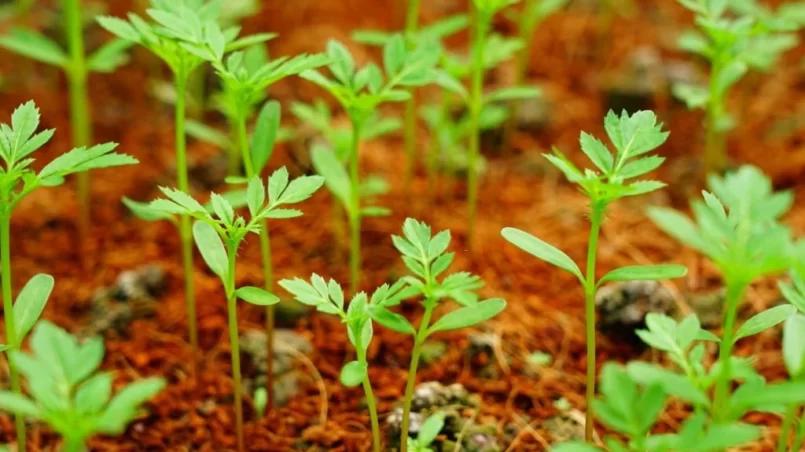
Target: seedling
[[485, 11], [218, 235], [17, 180], [427, 434], [794, 354], [328, 297], [179, 36], [360, 92], [67, 391], [633, 137], [427, 258], [414, 36], [532, 14], [732, 46], [737, 227], [77, 67]]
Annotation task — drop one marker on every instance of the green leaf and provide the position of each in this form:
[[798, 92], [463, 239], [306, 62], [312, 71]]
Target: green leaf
[[729, 75], [645, 273], [765, 320], [255, 195], [109, 57], [541, 250], [391, 320], [119, 28], [34, 45], [513, 93], [694, 96], [394, 54], [277, 183], [126, 404], [92, 396], [430, 429], [265, 134], [30, 303], [222, 209], [256, 295], [469, 315], [673, 384], [303, 291], [794, 345], [597, 152], [17, 404], [82, 159], [335, 176], [575, 447], [678, 226], [212, 249], [353, 373], [200, 131], [144, 211], [301, 189]]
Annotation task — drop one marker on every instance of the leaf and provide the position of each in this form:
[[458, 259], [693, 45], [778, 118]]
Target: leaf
[[765, 320], [391, 320], [673, 384], [645, 273], [265, 134], [17, 404], [729, 75], [597, 152], [303, 291], [394, 54], [222, 209], [512, 93], [541, 250], [430, 429], [126, 404], [93, 395], [469, 315], [678, 226], [335, 176], [83, 159], [30, 303], [277, 183], [119, 28], [34, 45], [256, 295], [301, 189], [212, 249], [143, 211], [109, 57], [255, 195], [794, 345], [694, 96], [200, 131], [353, 373]]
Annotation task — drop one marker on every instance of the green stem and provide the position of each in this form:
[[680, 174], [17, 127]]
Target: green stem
[[185, 230], [715, 152], [355, 210], [734, 295], [589, 305], [411, 25], [435, 147], [11, 328], [526, 28], [265, 252], [799, 436], [476, 103], [79, 107], [409, 387], [370, 403], [234, 341], [785, 429]]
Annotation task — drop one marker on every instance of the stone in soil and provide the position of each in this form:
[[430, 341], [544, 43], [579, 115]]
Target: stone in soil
[[624, 305], [286, 377]]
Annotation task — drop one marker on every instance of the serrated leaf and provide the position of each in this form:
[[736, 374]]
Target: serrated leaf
[[597, 152], [301, 189]]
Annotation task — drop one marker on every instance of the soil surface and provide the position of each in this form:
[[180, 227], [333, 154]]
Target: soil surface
[[573, 53]]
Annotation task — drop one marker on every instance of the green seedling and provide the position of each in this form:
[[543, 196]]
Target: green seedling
[[633, 137], [476, 99], [427, 433], [732, 45], [532, 13], [77, 66], [427, 258], [328, 297], [179, 36], [414, 36], [737, 227], [360, 92], [18, 141], [218, 235], [67, 391]]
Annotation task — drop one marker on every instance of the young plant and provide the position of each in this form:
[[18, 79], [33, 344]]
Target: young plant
[[427, 434], [427, 258], [737, 227], [414, 36], [732, 46], [360, 92], [77, 66], [18, 141], [218, 235], [67, 391], [532, 14], [328, 297], [179, 36], [633, 137], [794, 353], [485, 11]]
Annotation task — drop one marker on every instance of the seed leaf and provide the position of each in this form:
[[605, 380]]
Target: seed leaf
[[645, 273], [256, 295], [353, 373], [30, 303], [469, 315], [391, 320], [794, 345], [212, 249], [541, 250]]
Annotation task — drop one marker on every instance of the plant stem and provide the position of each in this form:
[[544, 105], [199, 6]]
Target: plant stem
[[476, 103], [234, 342], [799, 436], [589, 307], [715, 152], [734, 295], [411, 25], [79, 109], [526, 27], [8, 310], [409, 387], [185, 231], [370, 402], [435, 144], [355, 210], [785, 429], [268, 268]]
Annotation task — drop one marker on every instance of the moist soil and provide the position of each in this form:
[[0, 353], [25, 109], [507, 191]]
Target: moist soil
[[573, 53]]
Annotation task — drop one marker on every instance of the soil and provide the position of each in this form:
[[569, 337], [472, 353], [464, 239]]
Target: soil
[[545, 311]]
